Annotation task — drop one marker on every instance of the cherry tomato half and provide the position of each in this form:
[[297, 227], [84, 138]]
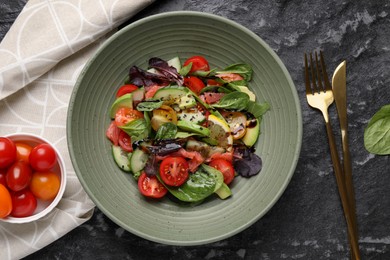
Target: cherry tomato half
[[18, 176], [125, 115], [112, 133], [198, 63], [7, 152], [225, 167], [125, 141], [45, 185], [125, 89], [162, 115], [194, 83], [43, 157], [23, 203], [174, 171], [22, 151], [150, 186], [5, 202]]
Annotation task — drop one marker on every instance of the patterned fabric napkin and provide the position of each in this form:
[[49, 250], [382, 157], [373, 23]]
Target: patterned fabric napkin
[[40, 60]]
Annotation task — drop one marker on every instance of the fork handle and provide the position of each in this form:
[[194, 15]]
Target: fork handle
[[342, 191]]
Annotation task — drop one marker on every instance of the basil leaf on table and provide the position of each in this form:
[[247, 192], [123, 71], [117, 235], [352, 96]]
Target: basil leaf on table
[[234, 101], [377, 132]]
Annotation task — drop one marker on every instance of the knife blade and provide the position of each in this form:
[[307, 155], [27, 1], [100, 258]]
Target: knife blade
[[339, 87]]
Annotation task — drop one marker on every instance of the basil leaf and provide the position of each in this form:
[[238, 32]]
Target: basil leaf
[[202, 73], [137, 129], [245, 70], [166, 131], [199, 186], [234, 100], [185, 69], [377, 132], [149, 105], [256, 109]]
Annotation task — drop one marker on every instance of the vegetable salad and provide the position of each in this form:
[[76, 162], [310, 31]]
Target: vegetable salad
[[186, 129]]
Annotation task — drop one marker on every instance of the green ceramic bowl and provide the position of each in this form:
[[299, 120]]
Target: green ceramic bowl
[[183, 34]]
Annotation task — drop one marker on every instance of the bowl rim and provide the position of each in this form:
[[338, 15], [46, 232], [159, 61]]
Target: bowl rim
[[39, 139], [298, 113]]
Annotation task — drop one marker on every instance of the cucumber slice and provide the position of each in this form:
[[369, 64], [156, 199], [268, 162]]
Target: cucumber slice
[[121, 157], [175, 62], [138, 160]]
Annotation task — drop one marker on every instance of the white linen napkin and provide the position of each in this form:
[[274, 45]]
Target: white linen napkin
[[40, 59]]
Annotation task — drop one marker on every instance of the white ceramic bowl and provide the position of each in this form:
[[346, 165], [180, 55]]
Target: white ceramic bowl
[[43, 207]]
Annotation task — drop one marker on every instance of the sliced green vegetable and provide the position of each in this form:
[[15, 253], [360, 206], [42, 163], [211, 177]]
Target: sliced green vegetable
[[138, 161], [123, 101], [121, 157]]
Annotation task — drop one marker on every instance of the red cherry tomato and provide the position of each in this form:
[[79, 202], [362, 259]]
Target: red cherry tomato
[[194, 83], [22, 151], [112, 133], [3, 173], [23, 203], [125, 141], [150, 186], [125, 115], [45, 185], [7, 152], [174, 171], [18, 176], [125, 89], [198, 63], [5, 202], [225, 167], [42, 157]]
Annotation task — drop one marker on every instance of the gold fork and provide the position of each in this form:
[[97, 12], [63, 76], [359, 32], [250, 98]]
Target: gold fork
[[320, 96]]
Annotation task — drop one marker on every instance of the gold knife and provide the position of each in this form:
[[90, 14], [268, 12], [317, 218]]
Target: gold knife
[[339, 87]]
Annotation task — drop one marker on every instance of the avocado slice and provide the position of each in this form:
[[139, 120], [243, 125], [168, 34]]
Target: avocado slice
[[176, 95], [252, 133], [193, 128], [123, 101]]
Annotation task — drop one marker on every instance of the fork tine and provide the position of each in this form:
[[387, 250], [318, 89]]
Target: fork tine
[[324, 73], [307, 78], [320, 88], [313, 76]]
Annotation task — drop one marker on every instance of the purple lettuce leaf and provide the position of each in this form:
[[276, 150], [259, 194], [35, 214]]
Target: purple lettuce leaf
[[140, 77], [168, 71]]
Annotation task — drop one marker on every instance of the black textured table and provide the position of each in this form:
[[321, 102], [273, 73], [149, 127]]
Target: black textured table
[[307, 222]]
